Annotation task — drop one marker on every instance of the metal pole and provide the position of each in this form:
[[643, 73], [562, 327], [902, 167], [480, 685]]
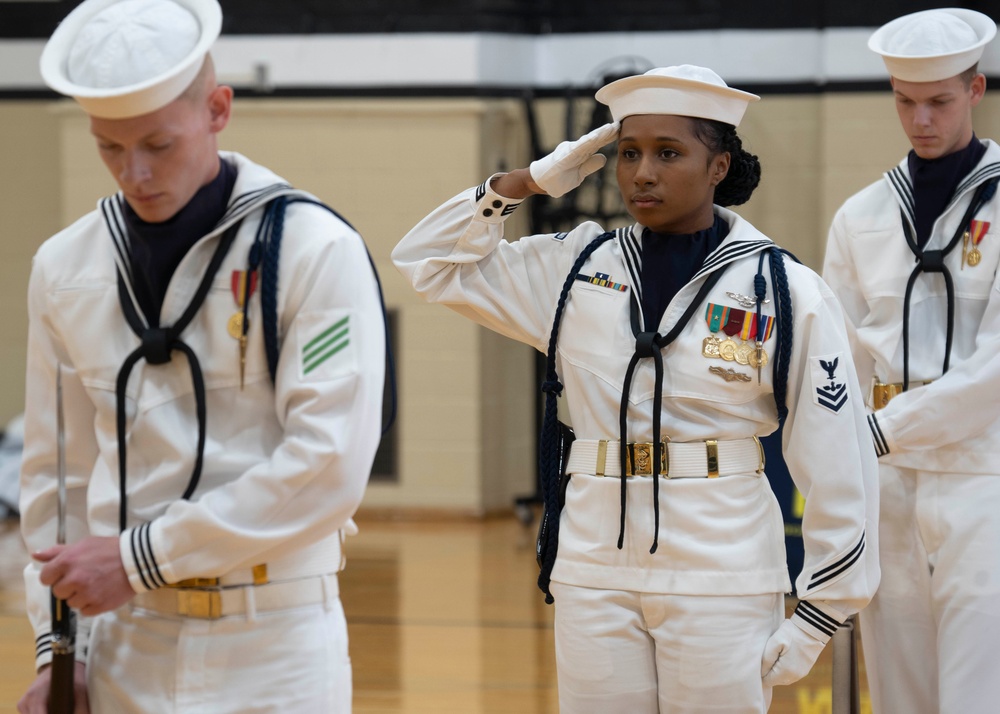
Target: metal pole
[[846, 679]]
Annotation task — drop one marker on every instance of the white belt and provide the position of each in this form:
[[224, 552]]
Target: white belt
[[324, 556], [700, 459], [213, 602]]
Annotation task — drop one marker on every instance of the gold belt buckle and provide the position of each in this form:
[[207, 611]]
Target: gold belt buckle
[[200, 604], [640, 459], [201, 598], [882, 394]]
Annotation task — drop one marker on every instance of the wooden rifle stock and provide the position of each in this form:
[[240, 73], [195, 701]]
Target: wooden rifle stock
[[61, 694]]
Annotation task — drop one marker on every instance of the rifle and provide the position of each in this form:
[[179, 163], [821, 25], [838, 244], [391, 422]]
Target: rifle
[[61, 695]]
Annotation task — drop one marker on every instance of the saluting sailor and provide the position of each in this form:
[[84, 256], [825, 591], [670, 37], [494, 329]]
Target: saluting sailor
[[684, 336], [914, 258], [221, 341]]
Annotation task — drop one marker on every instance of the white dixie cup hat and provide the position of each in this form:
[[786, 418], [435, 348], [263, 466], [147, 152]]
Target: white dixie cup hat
[[683, 90], [125, 58], [932, 45]]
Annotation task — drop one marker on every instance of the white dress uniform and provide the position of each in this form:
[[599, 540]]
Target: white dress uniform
[[939, 442], [285, 464], [722, 537]]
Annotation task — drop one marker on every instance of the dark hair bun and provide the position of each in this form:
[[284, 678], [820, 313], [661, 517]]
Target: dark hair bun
[[744, 167]]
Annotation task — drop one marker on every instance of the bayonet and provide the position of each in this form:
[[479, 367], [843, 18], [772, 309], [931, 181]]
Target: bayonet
[[61, 695]]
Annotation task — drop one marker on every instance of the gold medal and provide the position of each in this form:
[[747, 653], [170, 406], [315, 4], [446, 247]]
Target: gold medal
[[754, 362], [743, 353], [235, 325], [974, 257], [727, 350], [710, 346]]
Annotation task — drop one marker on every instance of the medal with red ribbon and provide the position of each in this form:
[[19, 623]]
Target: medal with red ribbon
[[735, 323], [973, 236]]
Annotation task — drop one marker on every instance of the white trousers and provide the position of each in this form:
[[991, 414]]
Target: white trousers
[[623, 652], [930, 635], [296, 660]]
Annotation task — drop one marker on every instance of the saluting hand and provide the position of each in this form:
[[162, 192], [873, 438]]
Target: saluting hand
[[572, 161], [89, 574]]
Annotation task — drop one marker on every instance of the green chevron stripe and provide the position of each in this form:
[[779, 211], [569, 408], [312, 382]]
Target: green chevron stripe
[[308, 356], [326, 344], [323, 357], [323, 335]]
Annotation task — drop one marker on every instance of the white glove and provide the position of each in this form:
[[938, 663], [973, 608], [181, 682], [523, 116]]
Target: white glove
[[789, 655], [572, 161]]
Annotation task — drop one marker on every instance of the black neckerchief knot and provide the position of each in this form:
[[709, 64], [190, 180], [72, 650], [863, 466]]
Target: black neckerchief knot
[[932, 261], [647, 344], [156, 347]]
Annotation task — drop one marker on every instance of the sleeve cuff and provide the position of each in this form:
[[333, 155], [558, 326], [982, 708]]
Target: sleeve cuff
[[878, 435], [136, 549], [818, 619], [491, 207]]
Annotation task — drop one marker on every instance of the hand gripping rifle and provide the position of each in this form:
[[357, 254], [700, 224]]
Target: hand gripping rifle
[[63, 619]]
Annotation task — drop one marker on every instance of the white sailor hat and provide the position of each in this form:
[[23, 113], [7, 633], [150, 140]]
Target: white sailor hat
[[685, 90], [932, 45], [125, 58]]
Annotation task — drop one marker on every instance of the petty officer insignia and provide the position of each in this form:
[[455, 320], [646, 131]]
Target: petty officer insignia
[[828, 391]]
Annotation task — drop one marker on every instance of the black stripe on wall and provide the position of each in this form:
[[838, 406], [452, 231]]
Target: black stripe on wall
[[530, 17]]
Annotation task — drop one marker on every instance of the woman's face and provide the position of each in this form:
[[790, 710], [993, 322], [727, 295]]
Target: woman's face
[[666, 175]]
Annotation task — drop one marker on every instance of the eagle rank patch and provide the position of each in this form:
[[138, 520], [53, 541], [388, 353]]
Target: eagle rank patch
[[829, 386]]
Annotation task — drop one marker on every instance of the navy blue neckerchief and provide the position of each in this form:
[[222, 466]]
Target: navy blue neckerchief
[[932, 261], [649, 345], [156, 347]]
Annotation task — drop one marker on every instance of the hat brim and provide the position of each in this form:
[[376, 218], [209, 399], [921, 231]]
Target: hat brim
[[658, 94], [933, 67], [134, 99]]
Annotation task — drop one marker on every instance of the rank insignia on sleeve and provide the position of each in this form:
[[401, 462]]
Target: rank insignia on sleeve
[[326, 347], [602, 280], [829, 390]]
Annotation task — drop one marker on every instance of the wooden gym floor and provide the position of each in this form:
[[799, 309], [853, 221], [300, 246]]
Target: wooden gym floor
[[444, 618]]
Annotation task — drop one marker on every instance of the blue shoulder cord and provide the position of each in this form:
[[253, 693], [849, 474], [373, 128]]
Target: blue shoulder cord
[[932, 261], [549, 457], [783, 322], [266, 249]]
